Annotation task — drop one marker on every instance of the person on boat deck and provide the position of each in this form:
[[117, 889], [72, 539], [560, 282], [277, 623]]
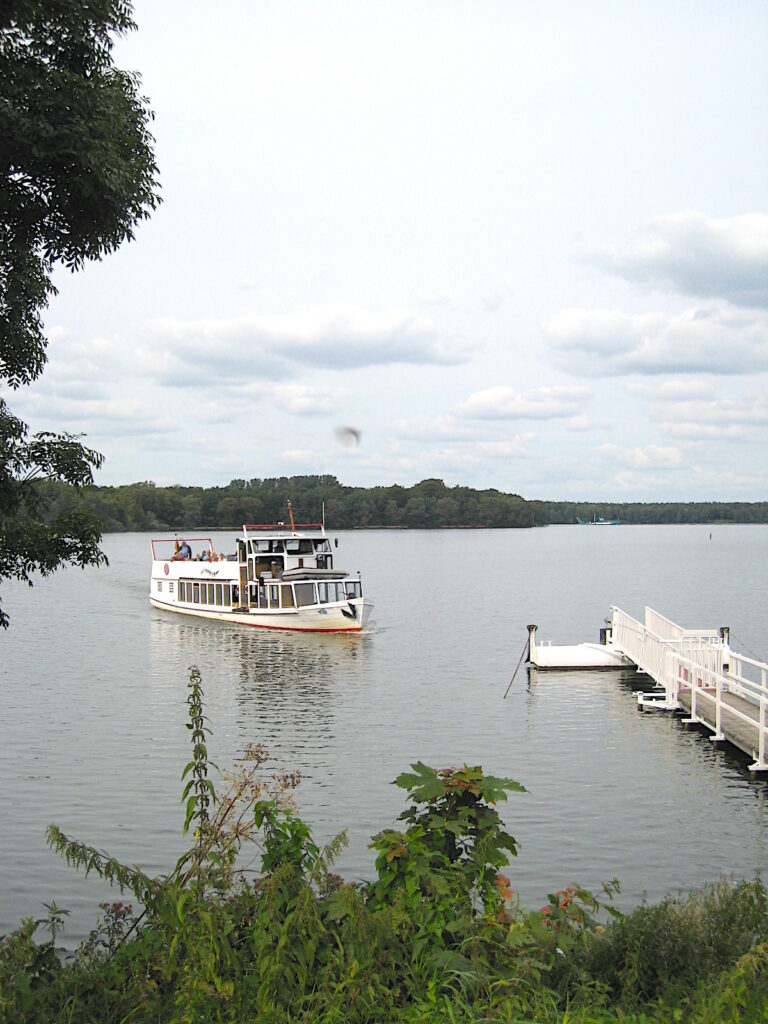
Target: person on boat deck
[[185, 551], [205, 557]]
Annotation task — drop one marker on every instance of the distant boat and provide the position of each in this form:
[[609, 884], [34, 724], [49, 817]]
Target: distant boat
[[598, 521]]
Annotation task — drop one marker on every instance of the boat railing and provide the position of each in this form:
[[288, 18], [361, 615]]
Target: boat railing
[[175, 542], [284, 527]]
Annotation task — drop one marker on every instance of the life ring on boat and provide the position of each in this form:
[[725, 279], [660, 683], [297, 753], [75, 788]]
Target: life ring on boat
[[166, 568]]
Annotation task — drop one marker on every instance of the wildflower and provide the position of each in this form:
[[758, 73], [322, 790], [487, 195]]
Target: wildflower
[[502, 884]]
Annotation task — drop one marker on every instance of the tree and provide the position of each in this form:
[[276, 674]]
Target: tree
[[77, 173]]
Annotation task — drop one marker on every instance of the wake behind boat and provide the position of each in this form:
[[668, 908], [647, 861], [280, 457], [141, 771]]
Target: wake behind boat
[[278, 578]]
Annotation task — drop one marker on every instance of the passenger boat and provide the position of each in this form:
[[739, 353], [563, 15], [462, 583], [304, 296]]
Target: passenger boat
[[279, 577]]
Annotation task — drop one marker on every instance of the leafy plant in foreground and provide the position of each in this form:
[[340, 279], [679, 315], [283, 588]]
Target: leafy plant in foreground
[[454, 843]]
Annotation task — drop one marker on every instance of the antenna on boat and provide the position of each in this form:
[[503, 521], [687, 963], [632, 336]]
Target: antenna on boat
[[323, 517], [290, 515]]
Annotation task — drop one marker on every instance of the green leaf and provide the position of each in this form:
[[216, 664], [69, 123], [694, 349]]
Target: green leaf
[[191, 807]]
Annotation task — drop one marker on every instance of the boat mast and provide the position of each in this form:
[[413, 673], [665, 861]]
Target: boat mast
[[290, 515]]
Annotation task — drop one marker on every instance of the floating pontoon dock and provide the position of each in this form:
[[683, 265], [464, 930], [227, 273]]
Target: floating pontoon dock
[[694, 671]]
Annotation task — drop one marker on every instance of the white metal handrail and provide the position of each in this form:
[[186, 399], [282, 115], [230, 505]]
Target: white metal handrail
[[708, 687], [700, 661]]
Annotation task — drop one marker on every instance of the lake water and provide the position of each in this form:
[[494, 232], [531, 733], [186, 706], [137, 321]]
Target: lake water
[[93, 685]]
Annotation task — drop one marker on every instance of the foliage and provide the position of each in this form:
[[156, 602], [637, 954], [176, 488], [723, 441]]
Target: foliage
[[660, 952], [429, 505], [77, 174], [33, 537], [438, 936], [449, 855]]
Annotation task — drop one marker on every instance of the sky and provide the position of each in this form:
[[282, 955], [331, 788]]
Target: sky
[[520, 245]]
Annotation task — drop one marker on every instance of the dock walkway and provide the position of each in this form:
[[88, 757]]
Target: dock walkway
[[697, 672]]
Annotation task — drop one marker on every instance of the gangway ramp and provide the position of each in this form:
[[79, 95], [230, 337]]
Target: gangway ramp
[[696, 671]]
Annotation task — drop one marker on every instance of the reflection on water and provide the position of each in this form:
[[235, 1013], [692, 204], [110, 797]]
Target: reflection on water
[[93, 684]]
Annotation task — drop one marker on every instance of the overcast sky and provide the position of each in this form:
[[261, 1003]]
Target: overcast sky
[[515, 244]]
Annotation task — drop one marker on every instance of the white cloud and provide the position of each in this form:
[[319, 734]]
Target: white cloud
[[274, 346], [305, 400], [716, 419], [580, 423], [632, 483], [444, 427], [299, 455], [641, 458], [601, 332], [504, 403], [673, 389], [715, 339], [695, 254], [753, 412], [518, 446], [698, 431]]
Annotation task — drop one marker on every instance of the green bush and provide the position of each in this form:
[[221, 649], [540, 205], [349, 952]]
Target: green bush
[[665, 951]]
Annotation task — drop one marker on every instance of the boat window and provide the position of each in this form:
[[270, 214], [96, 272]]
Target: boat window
[[354, 588], [298, 547], [336, 591], [259, 545], [196, 593], [286, 598], [322, 545], [305, 594], [227, 594], [203, 594], [218, 593], [159, 584], [322, 593], [274, 597], [170, 586]]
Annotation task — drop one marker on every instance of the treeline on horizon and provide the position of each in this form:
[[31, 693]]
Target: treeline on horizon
[[429, 504]]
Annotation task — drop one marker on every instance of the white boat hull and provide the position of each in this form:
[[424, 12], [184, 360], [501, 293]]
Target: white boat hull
[[329, 619]]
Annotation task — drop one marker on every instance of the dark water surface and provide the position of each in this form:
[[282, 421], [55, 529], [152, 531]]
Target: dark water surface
[[92, 712]]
